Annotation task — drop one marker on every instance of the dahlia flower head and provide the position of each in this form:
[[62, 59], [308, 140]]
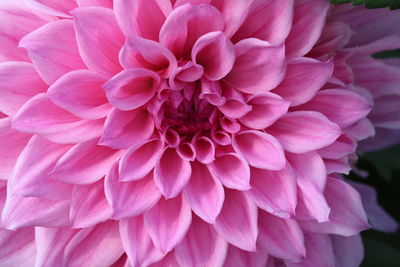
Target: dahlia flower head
[[179, 133]]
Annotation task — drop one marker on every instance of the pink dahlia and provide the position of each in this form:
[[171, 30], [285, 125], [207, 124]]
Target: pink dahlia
[[177, 133]]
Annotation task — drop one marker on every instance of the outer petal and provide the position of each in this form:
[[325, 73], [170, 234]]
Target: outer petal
[[231, 170], [386, 112], [259, 66], [308, 22], [80, 93], [237, 222], [121, 131], [142, 53], [347, 215], [171, 173], [142, 18], [304, 131], [204, 193], [212, 49], [53, 50], [186, 24], [17, 247], [340, 106], [99, 38], [241, 258], [130, 198], [31, 172], [167, 223], [140, 160], [281, 238], [304, 78], [261, 150], [19, 81], [11, 144], [265, 110], [349, 251], [85, 163], [274, 191], [89, 205], [137, 242], [105, 3], [268, 20], [201, 246], [87, 248], [40, 116], [132, 88], [51, 7]]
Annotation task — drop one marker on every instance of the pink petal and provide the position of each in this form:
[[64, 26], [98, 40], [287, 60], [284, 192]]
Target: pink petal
[[171, 173], [51, 243], [261, 150], [51, 7], [342, 147], [89, 205], [31, 172], [137, 242], [11, 144], [340, 106], [274, 191], [138, 161], [132, 88], [234, 105], [167, 223], [168, 261], [386, 112], [265, 110], [16, 21], [121, 131], [19, 81], [204, 193], [142, 18], [240, 258], [231, 170], [267, 20], [80, 93], [130, 198], [304, 131], [30, 211], [281, 238], [142, 53], [237, 222], [87, 247], [186, 24], [99, 38], [349, 251], [53, 49], [311, 179], [308, 22], [347, 215], [40, 116], [85, 163], [84, 3], [201, 246], [319, 252], [17, 247], [212, 49], [304, 78], [211, 91], [205, 149], [259, 66]]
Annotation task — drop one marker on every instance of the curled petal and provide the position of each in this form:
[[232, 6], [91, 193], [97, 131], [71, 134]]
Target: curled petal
[[259, 66], [261, 150], [205, 149], [80, 93], [167, 223], [132, 88]]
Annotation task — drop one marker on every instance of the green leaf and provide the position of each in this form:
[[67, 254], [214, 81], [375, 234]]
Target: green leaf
[[385, 161], [380, 250], [392, 4]]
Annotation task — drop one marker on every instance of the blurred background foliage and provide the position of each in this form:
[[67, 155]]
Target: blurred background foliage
[[383, 166], [392, 4]]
